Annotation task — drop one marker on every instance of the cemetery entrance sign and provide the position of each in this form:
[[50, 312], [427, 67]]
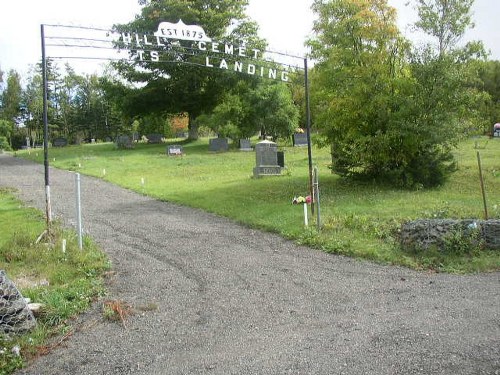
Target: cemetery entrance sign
[[217, 55], [164, 46]]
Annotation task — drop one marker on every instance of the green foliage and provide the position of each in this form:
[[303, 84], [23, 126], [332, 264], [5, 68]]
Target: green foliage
[[462, 242], [244, 111], [10, 99], [489, 73], [154, 123], [9, 361], [388, 115], [4, 143], [446, 20]]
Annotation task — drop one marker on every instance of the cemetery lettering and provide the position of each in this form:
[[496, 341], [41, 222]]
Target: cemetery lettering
[[180, 31]]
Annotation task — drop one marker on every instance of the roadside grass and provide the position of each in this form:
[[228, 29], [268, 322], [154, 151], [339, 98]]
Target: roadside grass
[[66, 283], [359, 219]]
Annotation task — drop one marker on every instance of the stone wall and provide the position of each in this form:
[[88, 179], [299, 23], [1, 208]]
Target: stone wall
[[426, 233]]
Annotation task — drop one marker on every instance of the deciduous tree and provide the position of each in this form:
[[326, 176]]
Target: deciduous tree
[[181, 84]]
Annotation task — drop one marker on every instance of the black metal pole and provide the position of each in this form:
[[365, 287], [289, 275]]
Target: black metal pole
[[308, 122], [45, 131]]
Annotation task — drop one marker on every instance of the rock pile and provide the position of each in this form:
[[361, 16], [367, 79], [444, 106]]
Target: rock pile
[[15, 316]]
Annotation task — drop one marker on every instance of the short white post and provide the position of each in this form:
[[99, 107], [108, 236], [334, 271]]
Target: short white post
[[306, 221], [78, 212]]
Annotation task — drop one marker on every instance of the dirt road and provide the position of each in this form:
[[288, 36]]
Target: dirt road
[[232, 300]]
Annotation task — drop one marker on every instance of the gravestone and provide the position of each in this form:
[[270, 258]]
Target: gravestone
[[182, 135], [124, 141], [496, 130], [155, 138], [300, 139], [218, 145], [245, 145], [266, 158], [175, 150], [60, 142]]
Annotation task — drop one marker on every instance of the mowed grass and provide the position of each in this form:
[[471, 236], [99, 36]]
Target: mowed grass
[[358, 220]]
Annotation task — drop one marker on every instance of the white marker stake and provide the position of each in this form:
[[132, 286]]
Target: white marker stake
[[78, 211], [306, 221]]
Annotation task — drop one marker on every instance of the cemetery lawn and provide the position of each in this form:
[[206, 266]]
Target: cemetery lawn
[[66, 283], [359, 220]]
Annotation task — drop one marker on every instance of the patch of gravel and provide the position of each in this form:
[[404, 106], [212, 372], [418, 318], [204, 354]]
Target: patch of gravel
[[232, 300]]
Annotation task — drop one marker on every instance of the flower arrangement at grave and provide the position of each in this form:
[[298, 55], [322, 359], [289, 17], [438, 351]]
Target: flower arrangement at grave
[[301, 199]]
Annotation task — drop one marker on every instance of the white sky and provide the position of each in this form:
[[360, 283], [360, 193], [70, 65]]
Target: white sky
[[284, 23]]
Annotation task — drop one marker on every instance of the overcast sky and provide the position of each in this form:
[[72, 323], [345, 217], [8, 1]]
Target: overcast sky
[[284, 23]]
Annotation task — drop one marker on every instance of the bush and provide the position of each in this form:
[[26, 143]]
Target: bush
[[4, 144]]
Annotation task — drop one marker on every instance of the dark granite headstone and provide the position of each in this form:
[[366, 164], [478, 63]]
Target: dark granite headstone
[[60, 142], [124, 141], [218, 145], [266, 157], [155, 138], [245, 145], [300, 139]]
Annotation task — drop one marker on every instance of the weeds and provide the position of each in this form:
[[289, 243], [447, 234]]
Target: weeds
[[116, 310]]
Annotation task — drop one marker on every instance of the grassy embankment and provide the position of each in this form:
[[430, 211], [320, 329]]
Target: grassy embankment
[[359, 220], [65, 282]]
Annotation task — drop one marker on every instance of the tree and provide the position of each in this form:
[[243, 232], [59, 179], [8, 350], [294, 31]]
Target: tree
[[179, 83], [355, 86], [389, 114], [6, 128], [246, 110], [489, 73], [274, 112], [446, 20], [11, 98]]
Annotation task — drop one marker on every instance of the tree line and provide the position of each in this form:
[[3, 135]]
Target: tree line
[[387, 109]]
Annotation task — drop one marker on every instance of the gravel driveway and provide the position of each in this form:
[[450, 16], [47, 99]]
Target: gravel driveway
[[232, 300]]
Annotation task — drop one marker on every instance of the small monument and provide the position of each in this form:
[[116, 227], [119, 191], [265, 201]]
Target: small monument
[[496, 130], [155, 138], [124, 141], [245, 145], [60, 142], [175, 150], [266, 157], [300, 139], [218, 145]]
